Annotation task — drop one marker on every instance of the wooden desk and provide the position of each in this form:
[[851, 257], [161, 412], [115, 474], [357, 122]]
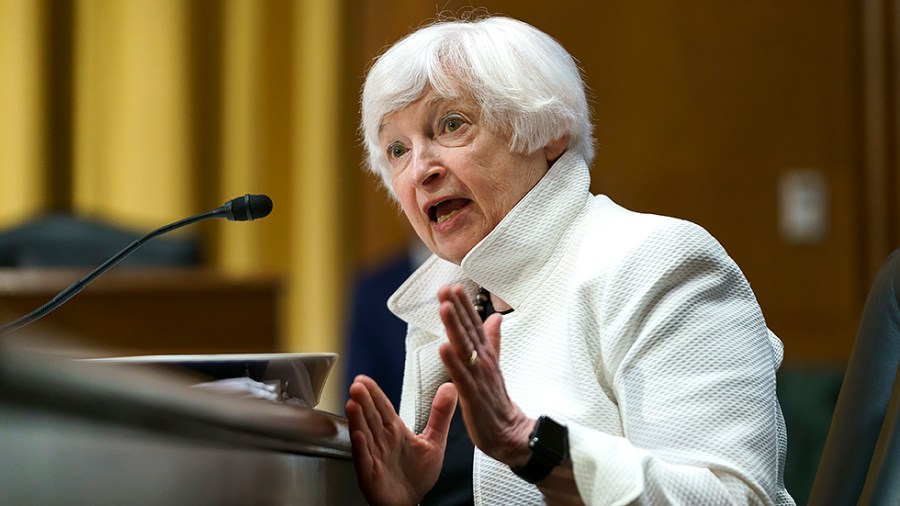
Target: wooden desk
[[76, 432], [150, 311]]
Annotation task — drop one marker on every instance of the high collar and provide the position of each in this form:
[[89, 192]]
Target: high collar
[[514, 259]]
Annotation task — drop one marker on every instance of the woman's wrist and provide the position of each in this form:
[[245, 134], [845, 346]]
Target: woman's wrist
[[559, 488], [514, 451]]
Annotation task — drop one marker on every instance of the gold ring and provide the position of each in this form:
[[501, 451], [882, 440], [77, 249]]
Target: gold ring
[[473, 358]]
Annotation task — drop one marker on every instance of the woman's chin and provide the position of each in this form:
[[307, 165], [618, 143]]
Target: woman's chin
[[453, 253]]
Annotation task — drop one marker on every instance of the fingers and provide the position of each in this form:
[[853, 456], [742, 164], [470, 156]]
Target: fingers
[[375, 395], [361, 391], [442, 408], [480, 388], [462, 344], [384, 450], [360, 437], [462, 323], [492, 331], [475, 346], [468, 312], [380, 400], [362, 442], [371, 413], [458, 370]]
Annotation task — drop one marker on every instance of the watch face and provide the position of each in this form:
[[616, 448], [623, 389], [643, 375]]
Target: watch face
[[550, 439], [549, 448]]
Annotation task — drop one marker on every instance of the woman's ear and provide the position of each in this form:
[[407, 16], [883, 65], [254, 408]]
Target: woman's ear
[[556, 148]]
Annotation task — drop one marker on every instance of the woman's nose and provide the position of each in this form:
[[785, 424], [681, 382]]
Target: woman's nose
[[426, 165]]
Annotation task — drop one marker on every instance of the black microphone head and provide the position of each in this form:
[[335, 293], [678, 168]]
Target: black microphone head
[[248, 207]]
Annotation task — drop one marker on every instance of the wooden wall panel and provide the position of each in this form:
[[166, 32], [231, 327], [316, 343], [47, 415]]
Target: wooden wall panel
[[144, 311], [701, 108], [881, 126]]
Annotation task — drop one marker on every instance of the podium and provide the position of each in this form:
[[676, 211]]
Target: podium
[[81, 432]]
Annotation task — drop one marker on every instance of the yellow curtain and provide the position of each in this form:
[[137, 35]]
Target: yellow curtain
[[319, 254], [176, 107], [131, 161], [22, 135]]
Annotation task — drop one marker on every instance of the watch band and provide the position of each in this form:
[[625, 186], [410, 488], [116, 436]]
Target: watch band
[[549, 444]]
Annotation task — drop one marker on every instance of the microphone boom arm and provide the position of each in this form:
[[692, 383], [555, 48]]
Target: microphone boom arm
[[76, 287]]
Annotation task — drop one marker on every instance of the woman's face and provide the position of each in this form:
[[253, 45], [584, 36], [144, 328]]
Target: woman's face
[[454, 178]]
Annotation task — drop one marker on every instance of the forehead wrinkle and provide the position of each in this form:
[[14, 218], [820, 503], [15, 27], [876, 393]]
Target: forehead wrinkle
[[440, 100], [434, 102]]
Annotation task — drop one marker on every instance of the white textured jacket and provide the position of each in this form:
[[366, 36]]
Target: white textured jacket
[[637, 331]]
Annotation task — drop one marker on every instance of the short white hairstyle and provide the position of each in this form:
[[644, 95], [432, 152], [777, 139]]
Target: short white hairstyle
[[524, 82]]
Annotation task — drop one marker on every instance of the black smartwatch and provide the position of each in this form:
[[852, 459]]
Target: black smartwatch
[[549, 445]]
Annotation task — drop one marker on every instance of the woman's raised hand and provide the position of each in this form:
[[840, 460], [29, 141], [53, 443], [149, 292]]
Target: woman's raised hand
[[394, 466], [472, 358]]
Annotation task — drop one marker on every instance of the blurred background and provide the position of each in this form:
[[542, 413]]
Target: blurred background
[[772, 124]]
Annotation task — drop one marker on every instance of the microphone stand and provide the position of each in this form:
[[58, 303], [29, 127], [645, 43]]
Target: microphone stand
[[76, 287]]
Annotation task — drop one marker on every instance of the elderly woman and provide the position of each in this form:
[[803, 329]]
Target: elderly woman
[[560, 348]]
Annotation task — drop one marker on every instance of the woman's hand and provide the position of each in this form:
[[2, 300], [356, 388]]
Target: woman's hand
[[394, 466], [495, 424]]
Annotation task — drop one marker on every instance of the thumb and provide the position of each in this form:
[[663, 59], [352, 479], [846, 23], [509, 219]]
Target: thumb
[[442, 408], [492, 331]]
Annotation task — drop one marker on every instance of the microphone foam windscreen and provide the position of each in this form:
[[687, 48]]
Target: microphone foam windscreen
[[250, 207]]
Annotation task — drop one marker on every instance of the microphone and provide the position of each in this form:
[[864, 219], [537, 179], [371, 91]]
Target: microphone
[[246, 208]]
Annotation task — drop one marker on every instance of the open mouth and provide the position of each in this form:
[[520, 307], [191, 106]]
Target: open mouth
[[445, 210]]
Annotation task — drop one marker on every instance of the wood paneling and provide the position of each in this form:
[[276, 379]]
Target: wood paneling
[[151, 311], [880, 89], [700, 109]]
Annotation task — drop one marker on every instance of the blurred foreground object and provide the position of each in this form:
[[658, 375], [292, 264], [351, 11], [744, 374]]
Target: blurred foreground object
[[861, 460], [82, 432], [293, 378]]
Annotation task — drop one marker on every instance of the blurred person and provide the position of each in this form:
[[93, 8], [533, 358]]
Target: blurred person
[[375, 335], [560, 348]]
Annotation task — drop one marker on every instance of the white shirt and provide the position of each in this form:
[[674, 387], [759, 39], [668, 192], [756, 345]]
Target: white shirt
[[636, 331]]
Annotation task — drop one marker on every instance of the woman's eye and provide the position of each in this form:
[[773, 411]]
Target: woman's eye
[[452, 123], [396, 150]]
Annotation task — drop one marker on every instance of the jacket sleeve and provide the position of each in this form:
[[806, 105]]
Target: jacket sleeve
[[692, 365]]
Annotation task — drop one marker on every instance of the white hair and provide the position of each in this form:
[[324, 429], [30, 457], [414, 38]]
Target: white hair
[[524, 82]]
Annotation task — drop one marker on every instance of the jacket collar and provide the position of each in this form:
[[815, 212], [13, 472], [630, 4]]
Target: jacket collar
[[514, 259]]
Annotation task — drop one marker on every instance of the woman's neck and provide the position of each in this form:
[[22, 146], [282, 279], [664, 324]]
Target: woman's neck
[[499, 304]]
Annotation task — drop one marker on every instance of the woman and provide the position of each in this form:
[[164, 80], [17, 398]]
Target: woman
[[625, 359]]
